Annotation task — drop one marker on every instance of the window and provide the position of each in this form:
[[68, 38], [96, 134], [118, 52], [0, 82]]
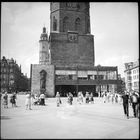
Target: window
[[65, 24], [77, 24], [88, 26], [11, 70], [70, 77], [54, 24], [95, 77], [129, 78], [129, 72], [90, 77]]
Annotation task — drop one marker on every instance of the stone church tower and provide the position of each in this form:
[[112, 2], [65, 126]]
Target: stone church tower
[[44, 52], [66, 57], [71, 43]]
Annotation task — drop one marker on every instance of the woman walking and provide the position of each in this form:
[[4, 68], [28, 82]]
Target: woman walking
[[58, 100], [28, 101], [13, 100], [5, 100]]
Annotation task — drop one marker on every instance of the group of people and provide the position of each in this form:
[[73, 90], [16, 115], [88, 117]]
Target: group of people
[[131, 99], [111, 97], [69, 98], [127, 98], [88, 98], [37, 99], [5, 98]]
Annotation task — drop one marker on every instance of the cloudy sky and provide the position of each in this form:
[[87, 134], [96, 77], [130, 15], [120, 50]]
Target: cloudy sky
[[114, 26]]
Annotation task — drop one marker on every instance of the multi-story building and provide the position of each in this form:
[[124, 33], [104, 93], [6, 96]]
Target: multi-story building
[[66, 57], [121, 84], [12, 79], [132, 75]]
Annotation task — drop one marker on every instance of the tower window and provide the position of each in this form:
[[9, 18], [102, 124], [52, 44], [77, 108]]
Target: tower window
[[54, 24], [65, 24], [88, 26], [77, 24]]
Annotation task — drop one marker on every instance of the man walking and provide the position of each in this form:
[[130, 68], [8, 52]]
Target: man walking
[[134, 99], [125, 98]]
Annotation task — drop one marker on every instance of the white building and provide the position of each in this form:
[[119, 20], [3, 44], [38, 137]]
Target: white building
[[132, 75]]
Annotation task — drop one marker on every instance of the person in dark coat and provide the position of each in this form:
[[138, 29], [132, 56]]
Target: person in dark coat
[[5, 100], [134, 100], [125, 98], [13, 100]]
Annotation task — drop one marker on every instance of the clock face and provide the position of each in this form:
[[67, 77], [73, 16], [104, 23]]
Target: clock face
[[72, 37]]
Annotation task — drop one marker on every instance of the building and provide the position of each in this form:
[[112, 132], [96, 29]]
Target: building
[[132, 75], [121, 84], [66, 56], [12, 79]]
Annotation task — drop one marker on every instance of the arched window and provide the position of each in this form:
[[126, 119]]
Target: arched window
[[65, 24], [88, 26], [54, 24], [77, 24]]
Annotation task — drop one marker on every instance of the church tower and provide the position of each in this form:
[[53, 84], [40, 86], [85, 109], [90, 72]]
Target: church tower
[[71, 42], [70, 16], [44, 53]]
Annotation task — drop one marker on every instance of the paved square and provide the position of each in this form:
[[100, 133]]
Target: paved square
[[98, 120]]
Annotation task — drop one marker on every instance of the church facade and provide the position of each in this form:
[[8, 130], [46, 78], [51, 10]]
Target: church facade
[[66, 56]]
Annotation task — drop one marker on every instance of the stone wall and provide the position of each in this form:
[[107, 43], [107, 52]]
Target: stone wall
[[35, 79], [64, 52]]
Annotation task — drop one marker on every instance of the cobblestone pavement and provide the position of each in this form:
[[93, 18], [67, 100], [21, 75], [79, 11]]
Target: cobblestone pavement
[[98, 120]]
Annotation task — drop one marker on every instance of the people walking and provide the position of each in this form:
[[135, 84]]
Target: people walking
[[70, 98], [91, 99], [87, 97], [5, 100], [125, 98], [134, 100], [13, 99], [58, 100], [104, 97], [80, 97], [28, 101]]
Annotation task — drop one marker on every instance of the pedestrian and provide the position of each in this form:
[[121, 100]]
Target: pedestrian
[[58, 100], [138, 107], [104, 97], [125, 98], [70, 98], [80, 97], [13, 100], [42, 99], [116, 98], [87, 97], [5, 100], [134, 99], [91, 99], [28, 101], [36, 100], [119, 99]]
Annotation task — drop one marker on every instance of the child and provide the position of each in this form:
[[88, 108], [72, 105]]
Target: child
[[5, 100]]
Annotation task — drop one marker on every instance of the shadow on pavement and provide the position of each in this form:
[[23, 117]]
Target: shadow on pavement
[[5, 117]]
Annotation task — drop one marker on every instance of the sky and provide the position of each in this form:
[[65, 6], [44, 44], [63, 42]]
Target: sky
[[113, 24]]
